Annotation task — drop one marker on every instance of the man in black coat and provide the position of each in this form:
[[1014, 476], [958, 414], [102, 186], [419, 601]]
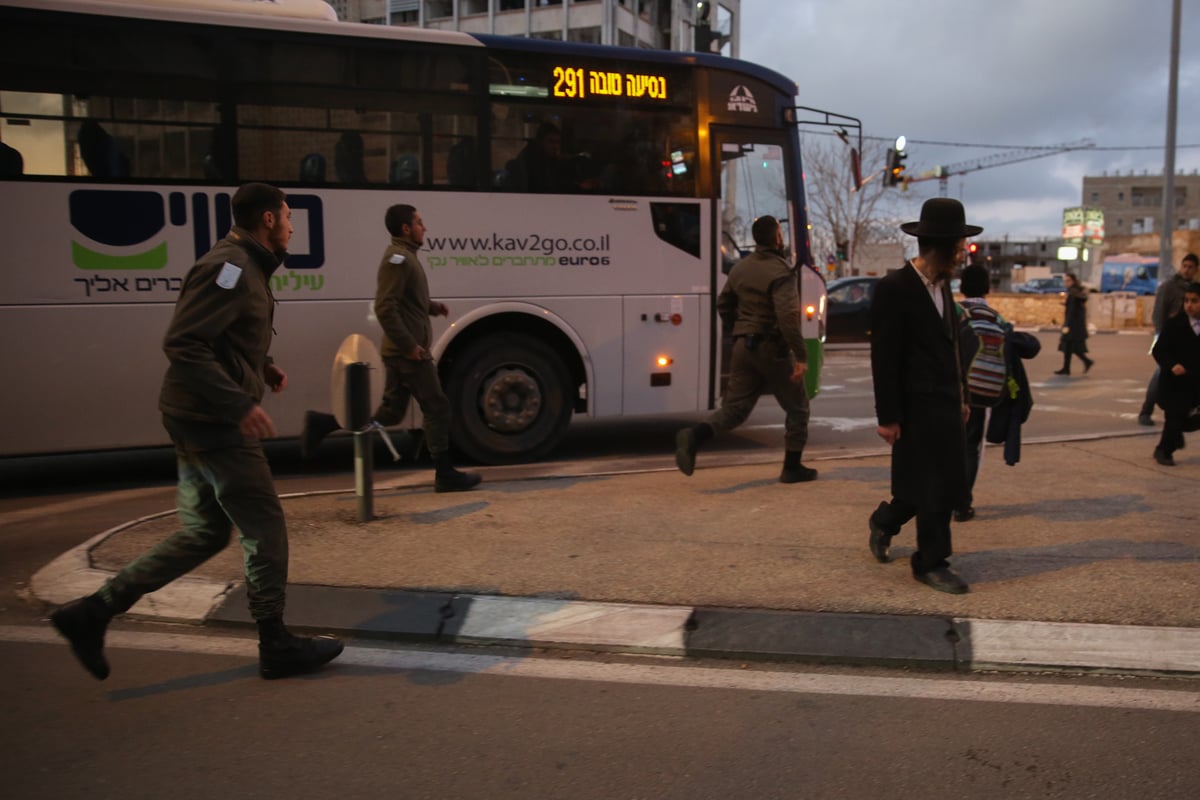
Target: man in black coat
[[1177, 352], [920, 393]]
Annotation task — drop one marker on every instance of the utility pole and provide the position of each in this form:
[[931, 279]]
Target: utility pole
[[1166, 261]]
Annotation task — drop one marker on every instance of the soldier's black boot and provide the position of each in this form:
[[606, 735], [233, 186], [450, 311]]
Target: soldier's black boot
[[448, 479], [794, 471], [687, 442], [282, 654], [317, 425], [83, 622]]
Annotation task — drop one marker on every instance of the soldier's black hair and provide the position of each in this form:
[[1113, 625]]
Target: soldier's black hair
[[397, 217], [764, 229], [253, 200]]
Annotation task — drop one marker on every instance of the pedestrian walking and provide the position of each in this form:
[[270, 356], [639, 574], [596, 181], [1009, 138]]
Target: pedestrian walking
[[403, 308], [920, 394], [1177, 352], [217, 345], [991, 353], [761, 305], [1168, 301], [1073, 341]]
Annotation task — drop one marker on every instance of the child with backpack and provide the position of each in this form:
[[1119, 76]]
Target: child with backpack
[[990, 351]]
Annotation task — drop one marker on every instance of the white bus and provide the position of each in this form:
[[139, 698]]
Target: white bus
[[127, 126]]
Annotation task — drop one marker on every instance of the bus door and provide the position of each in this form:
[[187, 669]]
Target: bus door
[[752, 182]]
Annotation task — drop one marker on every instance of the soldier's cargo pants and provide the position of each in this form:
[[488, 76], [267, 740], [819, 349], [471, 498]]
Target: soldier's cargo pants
[[218, 489], [768, 367]]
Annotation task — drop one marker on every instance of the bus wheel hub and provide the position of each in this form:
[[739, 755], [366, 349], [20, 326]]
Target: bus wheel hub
[[511, 401]]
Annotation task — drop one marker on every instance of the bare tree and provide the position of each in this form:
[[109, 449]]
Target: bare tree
[[842, 219]]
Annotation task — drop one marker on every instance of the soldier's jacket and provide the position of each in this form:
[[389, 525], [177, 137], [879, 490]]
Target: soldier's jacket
[[402, 300], [760, 298], [220, 334]]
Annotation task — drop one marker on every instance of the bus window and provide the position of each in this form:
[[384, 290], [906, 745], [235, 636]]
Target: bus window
[[537, 148], [33, 125], [753, 183]]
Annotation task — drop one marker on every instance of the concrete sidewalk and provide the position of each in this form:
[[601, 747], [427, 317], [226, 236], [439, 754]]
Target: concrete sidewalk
[[1086, 554]]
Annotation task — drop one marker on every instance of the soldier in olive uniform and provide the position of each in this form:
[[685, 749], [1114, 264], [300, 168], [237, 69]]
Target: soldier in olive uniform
[[219, 369], [761, 303]]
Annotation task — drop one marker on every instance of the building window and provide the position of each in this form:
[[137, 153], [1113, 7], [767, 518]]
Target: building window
[[1095, 197], [1120, 197], [584, 35]]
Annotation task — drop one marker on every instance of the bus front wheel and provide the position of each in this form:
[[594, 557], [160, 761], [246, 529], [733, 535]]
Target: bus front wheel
[[509, 400]]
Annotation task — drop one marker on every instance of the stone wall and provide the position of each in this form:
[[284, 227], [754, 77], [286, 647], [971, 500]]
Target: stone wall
[[1105, 311]]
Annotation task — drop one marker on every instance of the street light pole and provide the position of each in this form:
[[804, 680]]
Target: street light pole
[[1166, 261]]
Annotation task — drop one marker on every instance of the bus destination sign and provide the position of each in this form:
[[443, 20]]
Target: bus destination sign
[[577, 83]]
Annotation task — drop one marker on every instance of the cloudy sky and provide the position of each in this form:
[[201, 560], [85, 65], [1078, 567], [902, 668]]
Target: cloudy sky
[[1016, 73]]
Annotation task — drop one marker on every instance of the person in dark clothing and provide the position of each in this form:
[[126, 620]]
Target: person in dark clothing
[[12, 164], [1177, 352], [760, 303], [920, 394], [1074, 333], [217, 345], [1168, 301], [403, 308]]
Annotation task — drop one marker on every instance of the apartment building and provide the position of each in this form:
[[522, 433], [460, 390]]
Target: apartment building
[[1133, 203], [656, 24]]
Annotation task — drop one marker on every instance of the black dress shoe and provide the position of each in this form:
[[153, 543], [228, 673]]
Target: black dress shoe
[[1062, 372], [943, 579], [1164, 458], [965, 515], [296, 655], [82, 622], [880, 541]]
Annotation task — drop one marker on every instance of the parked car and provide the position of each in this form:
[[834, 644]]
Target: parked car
[[1052, 285], [848, 308]]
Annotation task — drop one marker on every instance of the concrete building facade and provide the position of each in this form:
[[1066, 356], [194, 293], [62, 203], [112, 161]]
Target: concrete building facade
[[1133, 208], [657, 24]]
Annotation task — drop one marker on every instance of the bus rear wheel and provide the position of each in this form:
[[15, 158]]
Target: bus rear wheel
[[509, 400]]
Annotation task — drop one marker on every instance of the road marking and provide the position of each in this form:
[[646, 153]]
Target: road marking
[[738, 679]]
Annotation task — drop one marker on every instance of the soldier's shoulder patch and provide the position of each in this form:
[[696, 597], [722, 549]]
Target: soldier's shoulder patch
[[228, 277], [397, 258]]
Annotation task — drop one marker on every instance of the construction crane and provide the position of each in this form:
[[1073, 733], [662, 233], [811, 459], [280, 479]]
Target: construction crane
[[944, 172]]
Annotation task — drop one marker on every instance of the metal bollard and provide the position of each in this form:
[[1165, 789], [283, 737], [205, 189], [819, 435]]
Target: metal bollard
[[358, 413]]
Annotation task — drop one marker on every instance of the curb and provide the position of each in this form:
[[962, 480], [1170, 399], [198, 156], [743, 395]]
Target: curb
[[894, 640]]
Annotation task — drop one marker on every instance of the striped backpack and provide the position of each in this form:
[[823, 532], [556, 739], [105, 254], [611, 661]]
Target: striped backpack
[[982, 341]]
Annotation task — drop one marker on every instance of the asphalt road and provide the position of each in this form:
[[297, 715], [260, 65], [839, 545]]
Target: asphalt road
[[185, 715]]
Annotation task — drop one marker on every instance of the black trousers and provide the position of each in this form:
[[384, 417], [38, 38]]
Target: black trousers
[[974, 430], [1176, 408], [933, 532]]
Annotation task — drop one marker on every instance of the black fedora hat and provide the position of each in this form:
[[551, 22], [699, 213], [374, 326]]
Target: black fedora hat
[[942, 218]]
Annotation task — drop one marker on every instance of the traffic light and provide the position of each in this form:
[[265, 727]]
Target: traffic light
[[707, 40], [704, 34], [894, 171], [973, 255]]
